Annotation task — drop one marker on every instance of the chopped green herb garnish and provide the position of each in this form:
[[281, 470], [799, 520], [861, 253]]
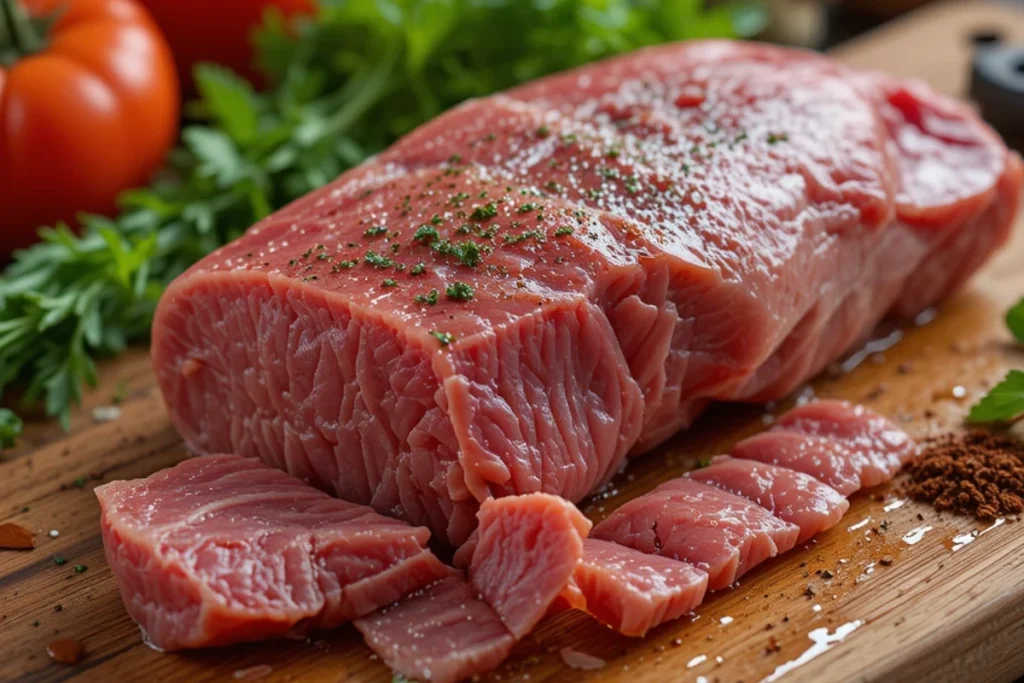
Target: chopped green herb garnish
[[425, 234], [428, 299], [455, 159], [375, 231], [606, 172], [552, 186], [378, 261], [563, 231], [457, 198], [543, 131], [485, 212], [343, 265], [80, 568], [777, 137], [445, 338], [633, 184], [79, 482], [59, 560], [388, 282], [523, 236], [436, 220], [323, 256], [703, 461], [526, 208], [594, 193], [569, 138], [467, 253], [459, 291], [418, 269]]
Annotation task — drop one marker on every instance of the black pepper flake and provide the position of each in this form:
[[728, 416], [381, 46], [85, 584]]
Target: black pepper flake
[[58, 607]]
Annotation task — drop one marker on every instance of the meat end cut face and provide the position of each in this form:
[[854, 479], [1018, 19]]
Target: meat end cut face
[[521, 293]]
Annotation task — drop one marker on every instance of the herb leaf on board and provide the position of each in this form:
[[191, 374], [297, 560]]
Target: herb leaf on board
[[1003, 403]]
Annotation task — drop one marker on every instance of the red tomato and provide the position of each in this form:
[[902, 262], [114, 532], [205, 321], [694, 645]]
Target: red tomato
[[84, 114], [216, 30]]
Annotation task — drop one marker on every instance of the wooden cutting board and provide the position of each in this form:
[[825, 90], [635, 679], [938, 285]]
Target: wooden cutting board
[[907, 598]]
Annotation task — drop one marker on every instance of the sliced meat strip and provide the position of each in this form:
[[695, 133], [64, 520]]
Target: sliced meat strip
[[846, 446], [790, 495], [225, 549], [714, 530], [527, 551], [443, 633], [630, 591]]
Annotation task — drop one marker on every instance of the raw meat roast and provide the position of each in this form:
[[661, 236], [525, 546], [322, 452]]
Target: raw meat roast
[[521, 293]]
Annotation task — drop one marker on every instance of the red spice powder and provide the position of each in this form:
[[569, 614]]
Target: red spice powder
[[977, 473]]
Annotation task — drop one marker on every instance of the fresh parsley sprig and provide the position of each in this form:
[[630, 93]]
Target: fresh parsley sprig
[[1005, 401], [347, 83]]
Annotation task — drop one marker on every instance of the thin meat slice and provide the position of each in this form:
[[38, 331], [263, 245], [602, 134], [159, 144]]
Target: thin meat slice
[[714, 530], [443, 633], [225, 549], [789, 495], [527, 551], [630, 591], [846, 446]]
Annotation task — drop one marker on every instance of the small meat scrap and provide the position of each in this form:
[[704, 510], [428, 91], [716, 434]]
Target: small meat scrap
[[66, 650], [15, 537]]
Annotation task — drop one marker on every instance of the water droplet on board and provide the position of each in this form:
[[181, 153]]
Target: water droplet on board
[[823, 641], [916, 534], [962, 540]]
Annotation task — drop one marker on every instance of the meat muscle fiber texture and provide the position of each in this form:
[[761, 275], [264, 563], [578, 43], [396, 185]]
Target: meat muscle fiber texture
[[519, 294], [225, 549]]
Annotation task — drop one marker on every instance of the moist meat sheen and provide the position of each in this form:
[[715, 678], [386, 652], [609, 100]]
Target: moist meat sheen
[[518, 295]]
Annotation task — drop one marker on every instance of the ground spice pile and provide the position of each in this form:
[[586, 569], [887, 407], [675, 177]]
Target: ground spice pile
[[977, 473]]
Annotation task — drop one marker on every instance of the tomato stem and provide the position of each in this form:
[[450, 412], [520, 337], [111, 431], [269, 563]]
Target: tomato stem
[[17, 35]]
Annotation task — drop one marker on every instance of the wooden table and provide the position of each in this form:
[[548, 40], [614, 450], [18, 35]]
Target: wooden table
[[932, 610]]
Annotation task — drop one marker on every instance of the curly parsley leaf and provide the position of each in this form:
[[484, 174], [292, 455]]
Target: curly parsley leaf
[[1015, 320], [1004, 403], [345, 84]]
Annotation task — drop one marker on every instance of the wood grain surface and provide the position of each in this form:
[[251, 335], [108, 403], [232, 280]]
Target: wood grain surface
[[931, 610]]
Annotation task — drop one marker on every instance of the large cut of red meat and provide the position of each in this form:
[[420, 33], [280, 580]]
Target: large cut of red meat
[[521, 293]]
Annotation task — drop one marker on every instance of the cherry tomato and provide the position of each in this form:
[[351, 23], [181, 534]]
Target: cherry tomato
[[88, 108], [217, 31]]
